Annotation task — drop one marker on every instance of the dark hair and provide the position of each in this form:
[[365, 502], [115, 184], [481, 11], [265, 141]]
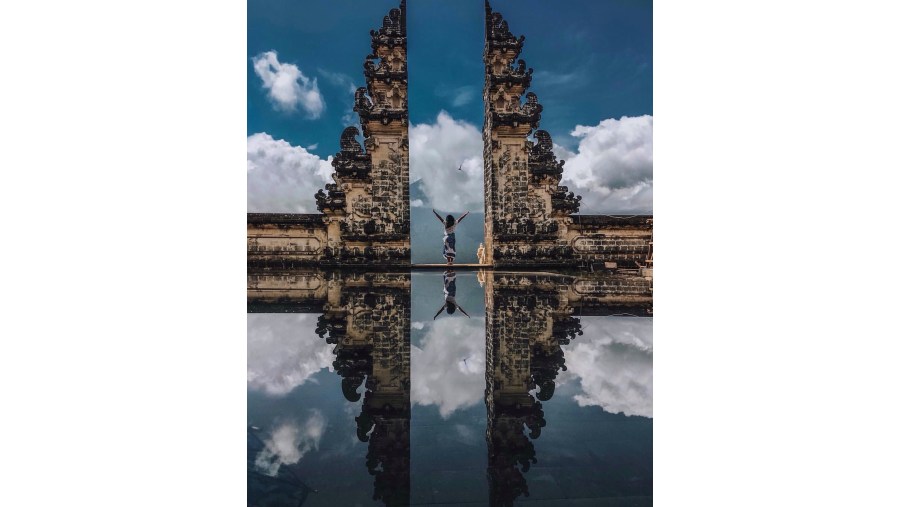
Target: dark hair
[[450, 221], [451, 308]]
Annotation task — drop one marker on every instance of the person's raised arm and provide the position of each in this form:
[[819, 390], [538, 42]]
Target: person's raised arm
[[438, 216], [439, 311], [461, 218], [461, 309]]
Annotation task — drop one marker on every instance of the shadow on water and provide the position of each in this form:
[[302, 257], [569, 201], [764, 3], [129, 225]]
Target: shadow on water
[[331, 393]]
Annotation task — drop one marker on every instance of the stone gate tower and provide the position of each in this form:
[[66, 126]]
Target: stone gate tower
[[525, 208], [529, 217], [365, 212], [367, 207]]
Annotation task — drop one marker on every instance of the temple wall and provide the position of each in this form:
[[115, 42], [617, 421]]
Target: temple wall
[[625, 240], [286, 238]]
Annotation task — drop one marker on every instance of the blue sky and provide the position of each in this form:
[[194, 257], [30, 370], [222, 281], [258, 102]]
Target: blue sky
[[592, 62]]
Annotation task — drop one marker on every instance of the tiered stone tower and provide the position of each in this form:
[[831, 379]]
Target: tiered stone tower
[[367, 207], [529, 217], [365, 218], [525, 208]]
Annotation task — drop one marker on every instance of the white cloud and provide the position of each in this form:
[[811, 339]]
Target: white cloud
[[446, 156], [339, 79], [346, 83], [289, 442], [613, 167], [448, 371], [463, 96], [613, 361], [282, 178], [287, 86], [283, 351], [458, 96], [549, 78]]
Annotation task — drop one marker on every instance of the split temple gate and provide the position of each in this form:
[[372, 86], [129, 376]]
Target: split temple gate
[[530, 220]]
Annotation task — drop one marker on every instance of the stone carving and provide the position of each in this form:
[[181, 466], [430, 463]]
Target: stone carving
[[351, 163], [542, 161], [361, 103], [393, 30], [498, 35]]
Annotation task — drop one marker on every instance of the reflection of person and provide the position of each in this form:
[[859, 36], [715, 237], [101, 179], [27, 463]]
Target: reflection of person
[[450, 235], [450, 295]]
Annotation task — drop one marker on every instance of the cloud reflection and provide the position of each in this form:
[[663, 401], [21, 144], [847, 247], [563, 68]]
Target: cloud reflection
[[448, 370], [613, 361], [283, 351], [288, 443]]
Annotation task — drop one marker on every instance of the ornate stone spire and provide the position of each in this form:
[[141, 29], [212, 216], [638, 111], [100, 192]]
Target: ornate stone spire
[[497, 34], [367, 206], [351, 161], [393, 29]]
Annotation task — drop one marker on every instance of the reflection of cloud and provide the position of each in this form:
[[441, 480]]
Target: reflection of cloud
[[283, 351], [288, 443], [448, 371], [613, 361]]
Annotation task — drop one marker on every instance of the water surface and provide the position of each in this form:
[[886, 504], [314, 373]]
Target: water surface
[[447, 388]]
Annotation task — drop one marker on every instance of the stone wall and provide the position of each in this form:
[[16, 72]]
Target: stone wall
[[285, 238]]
